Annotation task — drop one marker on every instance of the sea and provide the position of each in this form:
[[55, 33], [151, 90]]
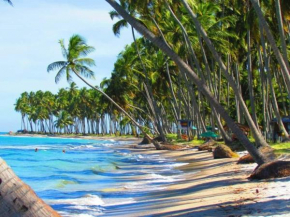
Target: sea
[[86, 178]]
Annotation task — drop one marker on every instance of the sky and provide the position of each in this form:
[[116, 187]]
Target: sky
[[29, 35]]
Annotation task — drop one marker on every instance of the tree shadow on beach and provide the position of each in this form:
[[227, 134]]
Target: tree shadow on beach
[[239, 208]]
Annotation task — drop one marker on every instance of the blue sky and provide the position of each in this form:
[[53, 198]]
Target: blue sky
[[29, 35]]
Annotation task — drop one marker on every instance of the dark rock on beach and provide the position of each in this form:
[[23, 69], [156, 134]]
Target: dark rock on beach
[[223, 151], [274, 169], [145, 141], [268, 152]]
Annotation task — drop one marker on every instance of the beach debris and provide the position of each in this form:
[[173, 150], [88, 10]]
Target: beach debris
[[268, 152], [171, 147], [145, 141], [208, 145], [274, 169], [223, 151]]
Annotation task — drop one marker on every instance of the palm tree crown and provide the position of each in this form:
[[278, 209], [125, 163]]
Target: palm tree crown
[[75, 59]]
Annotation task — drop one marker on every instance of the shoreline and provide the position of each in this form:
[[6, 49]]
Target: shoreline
[[116, 138], [210, 187]]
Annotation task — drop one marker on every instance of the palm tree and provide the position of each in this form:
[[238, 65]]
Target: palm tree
[[284, 66], [159, 42], [77, 63], [150, 97], [18, 199]]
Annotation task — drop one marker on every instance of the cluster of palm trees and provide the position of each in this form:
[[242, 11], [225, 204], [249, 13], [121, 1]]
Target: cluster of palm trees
[[213, 62], [231, 55], [71, 110]]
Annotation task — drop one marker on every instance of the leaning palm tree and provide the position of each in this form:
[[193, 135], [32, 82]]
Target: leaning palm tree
[[18, 199], [77, 63], [259, 158]]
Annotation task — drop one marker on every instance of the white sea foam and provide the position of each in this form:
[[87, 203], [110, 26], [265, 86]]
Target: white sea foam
[[87, 200], [140, 156], [90, 204], [32, 147], [118, 201], [82, 147], [177, 164], [143, 186], [155, 178], [107, 144], [65, 214]]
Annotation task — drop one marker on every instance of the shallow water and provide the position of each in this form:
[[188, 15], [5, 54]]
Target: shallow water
[[91, 177]]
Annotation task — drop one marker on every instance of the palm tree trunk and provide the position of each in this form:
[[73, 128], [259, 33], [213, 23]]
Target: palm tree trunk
[[155, 143], [263, 87], [279, 57], [256, 133], [281, 31], [250, 80], [275, 104], [259, 158], [18, 199], [150, 96]]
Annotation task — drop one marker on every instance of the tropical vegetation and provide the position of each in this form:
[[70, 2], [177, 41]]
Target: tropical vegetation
[[213, 62], [216, 63]]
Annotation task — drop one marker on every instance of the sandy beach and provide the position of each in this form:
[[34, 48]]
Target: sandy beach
[[207, 187], [212, 187]]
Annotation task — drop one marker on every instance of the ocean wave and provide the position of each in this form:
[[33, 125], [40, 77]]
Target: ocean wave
[[86, 200], [81, 147], [118, 201], [157, 178]]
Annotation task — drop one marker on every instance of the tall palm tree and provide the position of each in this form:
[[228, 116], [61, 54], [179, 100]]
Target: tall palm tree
[[78, 64], [259, 158]]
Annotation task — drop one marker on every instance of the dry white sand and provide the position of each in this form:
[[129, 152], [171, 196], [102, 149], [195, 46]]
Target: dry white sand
[[212, 187]]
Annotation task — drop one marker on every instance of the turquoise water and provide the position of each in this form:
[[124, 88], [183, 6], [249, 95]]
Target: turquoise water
[[91, 177]]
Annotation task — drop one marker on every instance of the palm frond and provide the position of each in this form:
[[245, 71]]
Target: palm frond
[[84, 50], [85, 71], [68, 75], [63, 49], [56, 65], [59, 74], [75, 42], [85, 61], [114, 14], [105, 82], [118, 26]]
